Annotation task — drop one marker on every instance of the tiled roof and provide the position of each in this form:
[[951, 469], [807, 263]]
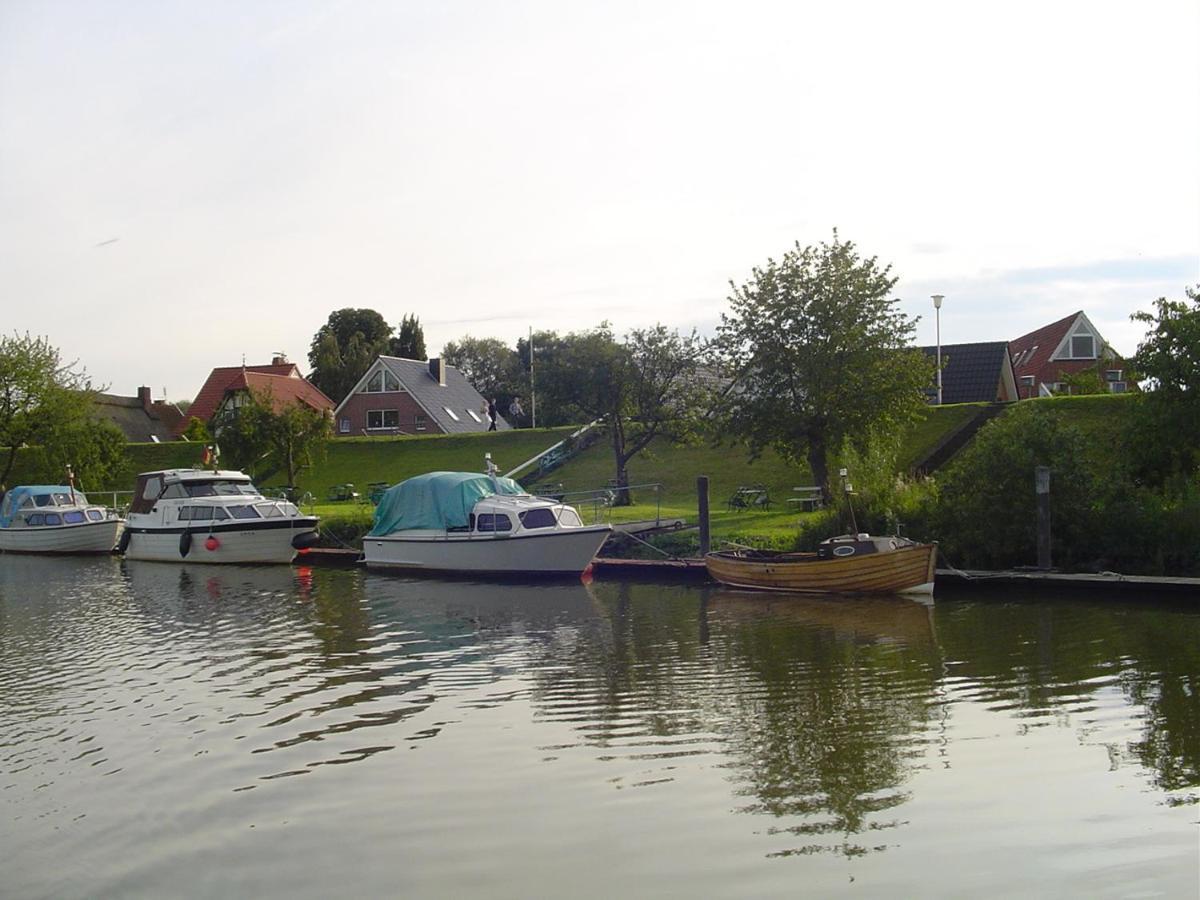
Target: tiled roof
[[457, 394], [283, 390], [1031, 352], [971, 373], [213, 391], [138, 424]]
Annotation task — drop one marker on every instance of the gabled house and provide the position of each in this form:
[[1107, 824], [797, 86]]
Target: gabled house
[[974, 373], [212, 393], [141, 419], [283, 391], [1043, 359], [407, 396]]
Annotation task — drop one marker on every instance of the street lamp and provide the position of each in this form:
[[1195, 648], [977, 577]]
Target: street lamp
[[937, 309]]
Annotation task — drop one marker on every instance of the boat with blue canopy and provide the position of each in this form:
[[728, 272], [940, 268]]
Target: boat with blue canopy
[[474, 523], [56, 518]]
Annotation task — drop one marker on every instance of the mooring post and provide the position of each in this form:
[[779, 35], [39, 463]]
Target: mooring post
[[702, 495], [1041, 476]]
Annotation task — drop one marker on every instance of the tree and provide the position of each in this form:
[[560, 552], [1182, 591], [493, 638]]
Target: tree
[[819, 355], [46, 405], [259, 438], [491, 366], [642, 388], [1167, 424], [343, 349], [409, 343]]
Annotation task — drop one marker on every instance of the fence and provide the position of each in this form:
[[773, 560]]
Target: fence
[[600, 502]]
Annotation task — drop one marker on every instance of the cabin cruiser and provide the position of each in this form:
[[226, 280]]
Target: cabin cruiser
[[208, 516], [470, 523], [56, 519]]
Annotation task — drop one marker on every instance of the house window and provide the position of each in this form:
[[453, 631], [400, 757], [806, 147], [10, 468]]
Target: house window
[[375, 383], [1112, 375], [1117, 387], [344, 426], [419, 421], [390, 381], [1083, 346], [383, 418], [451, 413], [382, 380]]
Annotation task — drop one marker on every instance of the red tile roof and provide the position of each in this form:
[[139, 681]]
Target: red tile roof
[[213, 392], [1031, 353], [283, 390]]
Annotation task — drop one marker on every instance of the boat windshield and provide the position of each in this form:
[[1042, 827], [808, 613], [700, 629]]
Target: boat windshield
[[219, 489], [277, 510]]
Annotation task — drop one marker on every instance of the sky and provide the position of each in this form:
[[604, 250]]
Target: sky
[[184, 185]]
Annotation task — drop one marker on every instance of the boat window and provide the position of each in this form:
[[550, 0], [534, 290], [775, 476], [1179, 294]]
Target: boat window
[[493, 522], [185, 513], [63, 500], [538, 518], [174, 491], [220, 489], [152, 488], [242, 512], [95, 515], [44, 500], [201, 513], [53, 519], [569, 518], [74, 517], [219, 513], [36, 519]]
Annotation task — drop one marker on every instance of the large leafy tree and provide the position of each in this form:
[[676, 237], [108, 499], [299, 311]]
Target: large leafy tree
[[46, 406], [1168, 420], [344, 347], [261, 439], [642, 388], [409, 342], [819, 355]]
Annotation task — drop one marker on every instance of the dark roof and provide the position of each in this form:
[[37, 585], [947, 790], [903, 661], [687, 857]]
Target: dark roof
[[213, 392], [457, 394], [972, 373], [283, 390], [139, 423]]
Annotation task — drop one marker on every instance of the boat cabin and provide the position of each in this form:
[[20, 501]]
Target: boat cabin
[[47, 505]]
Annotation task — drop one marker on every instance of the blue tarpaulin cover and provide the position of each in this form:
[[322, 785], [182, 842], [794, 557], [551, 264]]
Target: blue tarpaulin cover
[[436, 500], [15, 497]]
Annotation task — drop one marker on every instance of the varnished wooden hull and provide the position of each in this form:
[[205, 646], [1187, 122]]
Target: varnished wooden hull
[[903, 571]]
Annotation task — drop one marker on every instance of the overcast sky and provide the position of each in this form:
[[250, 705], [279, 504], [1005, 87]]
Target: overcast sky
[[185, 183]]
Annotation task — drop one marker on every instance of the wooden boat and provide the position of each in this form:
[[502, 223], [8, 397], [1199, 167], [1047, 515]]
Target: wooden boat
[[847, 564]]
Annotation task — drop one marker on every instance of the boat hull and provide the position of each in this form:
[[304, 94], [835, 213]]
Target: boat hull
[[908, 570], [562, 552], [85, 537], [271, 543]]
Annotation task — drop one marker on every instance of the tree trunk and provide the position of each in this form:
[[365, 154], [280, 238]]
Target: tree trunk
[[622, 496], [8, 467], [820, 471]]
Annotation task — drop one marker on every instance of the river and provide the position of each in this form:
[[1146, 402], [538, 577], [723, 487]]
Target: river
[[170, 730]]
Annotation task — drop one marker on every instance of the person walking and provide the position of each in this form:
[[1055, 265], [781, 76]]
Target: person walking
[[515, 412], [491, 410]]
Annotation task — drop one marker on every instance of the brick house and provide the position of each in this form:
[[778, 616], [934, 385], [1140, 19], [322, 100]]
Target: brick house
[[1044, 358], [283, 391], [407, 396]]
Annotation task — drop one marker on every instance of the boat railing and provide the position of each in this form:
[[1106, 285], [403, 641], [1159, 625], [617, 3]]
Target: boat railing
[[121, 501], [601, 502]]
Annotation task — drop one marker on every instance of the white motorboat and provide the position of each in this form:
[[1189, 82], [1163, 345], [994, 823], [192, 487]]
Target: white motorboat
[[207, 516], [465, 522], [55, 519]]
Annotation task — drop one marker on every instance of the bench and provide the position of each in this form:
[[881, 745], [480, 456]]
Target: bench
[[552, 491], [750, 496]]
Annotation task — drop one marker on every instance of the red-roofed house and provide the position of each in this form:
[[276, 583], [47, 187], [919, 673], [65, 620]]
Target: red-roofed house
[[283, 390], [285, 380], [1042, 359]]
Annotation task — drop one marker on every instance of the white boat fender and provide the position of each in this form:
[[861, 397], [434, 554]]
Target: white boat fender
[[185, 543], [123, 543]]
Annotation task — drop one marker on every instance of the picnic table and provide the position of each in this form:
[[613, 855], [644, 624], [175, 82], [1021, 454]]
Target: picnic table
[[750, 496], [810, 498], [375, 491], [340, 492]]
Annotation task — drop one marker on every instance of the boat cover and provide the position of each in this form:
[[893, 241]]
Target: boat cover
[[436, 500], [15, 497]]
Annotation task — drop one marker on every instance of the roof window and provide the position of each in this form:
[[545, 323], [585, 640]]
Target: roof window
[[451, 413]]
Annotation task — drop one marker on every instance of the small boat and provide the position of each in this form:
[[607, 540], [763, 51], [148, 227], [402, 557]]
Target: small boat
[[56, 519], [471, 523], [207, 516], [847, 564]]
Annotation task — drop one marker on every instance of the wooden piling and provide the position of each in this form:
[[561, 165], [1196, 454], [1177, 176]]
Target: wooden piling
[[1041, 476], [702, 502]]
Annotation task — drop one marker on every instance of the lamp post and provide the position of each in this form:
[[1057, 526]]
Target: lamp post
[[937, 310]]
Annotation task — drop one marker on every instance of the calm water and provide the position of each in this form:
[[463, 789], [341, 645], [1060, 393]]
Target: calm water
[[192, 731]]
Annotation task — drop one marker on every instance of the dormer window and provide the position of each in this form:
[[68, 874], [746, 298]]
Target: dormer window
[[1083, 346]]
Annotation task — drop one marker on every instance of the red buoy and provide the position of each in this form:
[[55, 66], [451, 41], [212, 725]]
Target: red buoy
[[212, 543]]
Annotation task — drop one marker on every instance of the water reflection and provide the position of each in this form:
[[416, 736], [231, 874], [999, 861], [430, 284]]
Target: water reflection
[[774, 727]]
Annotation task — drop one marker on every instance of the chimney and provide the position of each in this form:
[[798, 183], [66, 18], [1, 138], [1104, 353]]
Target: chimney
[[437, 371], [144, 398], [279, 359]]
